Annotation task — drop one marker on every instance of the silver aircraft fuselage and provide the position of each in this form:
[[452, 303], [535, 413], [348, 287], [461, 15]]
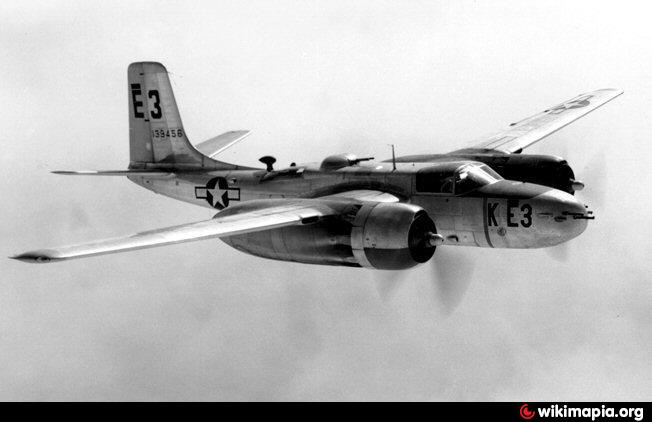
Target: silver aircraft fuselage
[[346, 210], [503, 214]]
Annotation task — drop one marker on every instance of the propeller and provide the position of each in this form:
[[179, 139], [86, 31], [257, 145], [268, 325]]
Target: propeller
[[451, 274], [559, 253], [388, 282], [594, 173]]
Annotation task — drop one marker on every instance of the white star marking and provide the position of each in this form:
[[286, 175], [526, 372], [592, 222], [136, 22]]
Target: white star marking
[[217, 194]]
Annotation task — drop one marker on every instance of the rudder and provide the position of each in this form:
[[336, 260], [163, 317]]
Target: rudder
[[156, 134]]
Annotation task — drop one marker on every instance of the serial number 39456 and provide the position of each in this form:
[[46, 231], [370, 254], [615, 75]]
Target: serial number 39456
[[167, 133]]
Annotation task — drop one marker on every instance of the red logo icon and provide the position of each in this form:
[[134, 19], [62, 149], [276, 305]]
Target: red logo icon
[[526, 413]]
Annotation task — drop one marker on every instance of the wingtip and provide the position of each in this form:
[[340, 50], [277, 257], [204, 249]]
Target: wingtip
[[616, 91], [74, 172], [33, 257]]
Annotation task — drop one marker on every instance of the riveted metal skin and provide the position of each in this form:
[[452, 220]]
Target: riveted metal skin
[[392, 236], [348, 210], [545, 170], [496, 215], [381, 236]]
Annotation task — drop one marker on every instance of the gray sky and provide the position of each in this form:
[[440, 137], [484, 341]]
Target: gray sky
[[202, 321]]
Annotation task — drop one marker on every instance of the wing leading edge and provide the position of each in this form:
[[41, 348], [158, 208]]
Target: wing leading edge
[[248, 217], [526, 132], [272, 214]]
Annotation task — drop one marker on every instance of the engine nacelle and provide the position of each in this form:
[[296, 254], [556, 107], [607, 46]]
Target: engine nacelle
[[388, 236], [546, 170], [392, 236]]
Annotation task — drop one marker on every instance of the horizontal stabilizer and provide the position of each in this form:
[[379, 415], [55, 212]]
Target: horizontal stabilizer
[[214, 146], [151, 173]]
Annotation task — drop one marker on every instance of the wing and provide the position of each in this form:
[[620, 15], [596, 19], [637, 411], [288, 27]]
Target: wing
[[364, 195], [532, 129], [149, 173], [265, 215], [248, 217]]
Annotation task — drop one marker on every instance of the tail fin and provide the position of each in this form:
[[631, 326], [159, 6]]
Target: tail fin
[[156, 134]]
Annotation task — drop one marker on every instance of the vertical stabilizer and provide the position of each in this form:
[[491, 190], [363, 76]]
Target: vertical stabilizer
[[156, 134]]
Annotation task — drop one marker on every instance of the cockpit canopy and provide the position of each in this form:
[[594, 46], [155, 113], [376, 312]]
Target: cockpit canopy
[[455, 181]]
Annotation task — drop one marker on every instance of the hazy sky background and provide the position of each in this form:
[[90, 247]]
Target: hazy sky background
[[202, 321]]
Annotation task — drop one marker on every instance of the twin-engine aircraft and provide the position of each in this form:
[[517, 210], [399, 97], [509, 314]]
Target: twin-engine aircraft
[[348, 210]]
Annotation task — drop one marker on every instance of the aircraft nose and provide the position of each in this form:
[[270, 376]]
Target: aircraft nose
[[563, 217]]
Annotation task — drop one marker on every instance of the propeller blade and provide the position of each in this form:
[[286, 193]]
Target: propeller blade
[[559, 253], [388, 282], [452, 275], [594, 174]]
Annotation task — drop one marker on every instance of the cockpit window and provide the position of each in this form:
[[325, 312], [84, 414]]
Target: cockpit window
[[435, 181], [466, 178], [472, 176]]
